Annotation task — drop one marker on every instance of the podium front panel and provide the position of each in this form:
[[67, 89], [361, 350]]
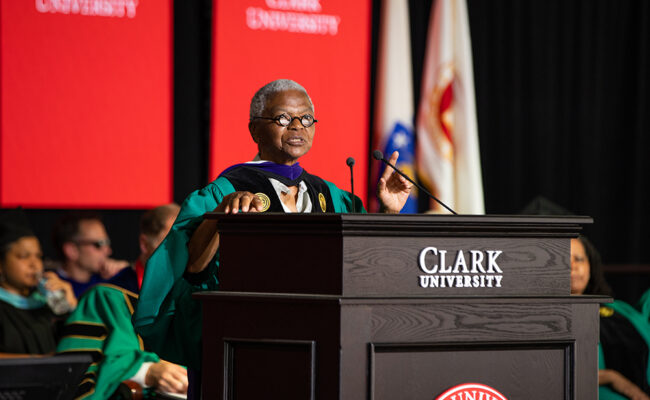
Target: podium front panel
[[442, 266], [518, 371], [414, 349], [396, 255], [397, 306]]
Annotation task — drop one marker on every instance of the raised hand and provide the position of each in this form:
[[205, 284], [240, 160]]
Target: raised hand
[[393, 189]]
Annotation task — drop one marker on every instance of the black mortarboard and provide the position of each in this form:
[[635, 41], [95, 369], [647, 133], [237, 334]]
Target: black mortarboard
[[13, 225], [540, 205]]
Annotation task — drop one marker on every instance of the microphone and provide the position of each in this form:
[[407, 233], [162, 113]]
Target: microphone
[[350, 163], [378, 155]]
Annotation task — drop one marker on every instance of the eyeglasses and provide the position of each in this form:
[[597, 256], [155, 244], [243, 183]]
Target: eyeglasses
[[285, 120], [98, 244]]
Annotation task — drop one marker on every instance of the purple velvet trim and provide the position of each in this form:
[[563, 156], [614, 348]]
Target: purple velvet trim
[[288, 171]]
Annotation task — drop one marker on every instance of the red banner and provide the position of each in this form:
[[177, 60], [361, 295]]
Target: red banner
[[86, 103]]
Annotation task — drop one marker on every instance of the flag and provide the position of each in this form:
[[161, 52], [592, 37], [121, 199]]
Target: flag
[[448, 159], [394, 101]]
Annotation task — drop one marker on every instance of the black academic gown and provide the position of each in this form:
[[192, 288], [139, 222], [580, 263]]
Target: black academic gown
[[27, 331]]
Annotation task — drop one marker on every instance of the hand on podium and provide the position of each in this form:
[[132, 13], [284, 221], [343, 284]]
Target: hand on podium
[[240, 202], [205, 240]]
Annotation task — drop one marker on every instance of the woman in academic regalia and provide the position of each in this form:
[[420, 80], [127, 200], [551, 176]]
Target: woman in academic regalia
[[282, 125], [27, 324], [624, 331]]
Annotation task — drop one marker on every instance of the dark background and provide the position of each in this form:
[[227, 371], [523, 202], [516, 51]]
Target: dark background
[[562, 102]]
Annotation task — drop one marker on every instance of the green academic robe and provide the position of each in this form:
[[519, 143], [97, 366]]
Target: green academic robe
[[624, 346], [644, 305], [101, 326], [167, 317]]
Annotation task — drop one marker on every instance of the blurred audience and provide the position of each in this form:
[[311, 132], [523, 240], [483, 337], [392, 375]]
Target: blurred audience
[[624, 330], [84, 248], [28, 324], [101, 325], [154, 226]]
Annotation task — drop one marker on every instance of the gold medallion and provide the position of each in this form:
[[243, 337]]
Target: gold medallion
[[606, 312], [266, 202], [321, 200]]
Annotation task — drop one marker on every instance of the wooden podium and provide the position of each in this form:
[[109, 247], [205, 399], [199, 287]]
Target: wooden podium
[[368, 306]]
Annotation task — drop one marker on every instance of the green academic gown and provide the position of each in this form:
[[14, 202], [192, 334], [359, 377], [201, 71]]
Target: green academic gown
[[644, 305], [624, 346], [167, 317], [101, 326]]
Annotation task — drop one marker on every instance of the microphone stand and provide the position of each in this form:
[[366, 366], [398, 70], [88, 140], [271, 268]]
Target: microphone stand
[[350, 163]]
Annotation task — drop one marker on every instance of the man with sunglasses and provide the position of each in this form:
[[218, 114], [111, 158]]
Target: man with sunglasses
[[282, 124], [107, 308], [84, 248]]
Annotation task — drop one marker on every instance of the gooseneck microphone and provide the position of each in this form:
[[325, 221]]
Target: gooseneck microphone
[[378, 155], [350, 163]]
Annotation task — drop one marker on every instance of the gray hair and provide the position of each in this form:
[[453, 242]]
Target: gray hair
[[258, 103]]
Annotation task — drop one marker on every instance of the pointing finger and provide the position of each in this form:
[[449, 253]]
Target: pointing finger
[[388, 170]]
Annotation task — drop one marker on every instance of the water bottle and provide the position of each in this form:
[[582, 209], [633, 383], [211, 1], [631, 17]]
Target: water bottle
[[55, 299]]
